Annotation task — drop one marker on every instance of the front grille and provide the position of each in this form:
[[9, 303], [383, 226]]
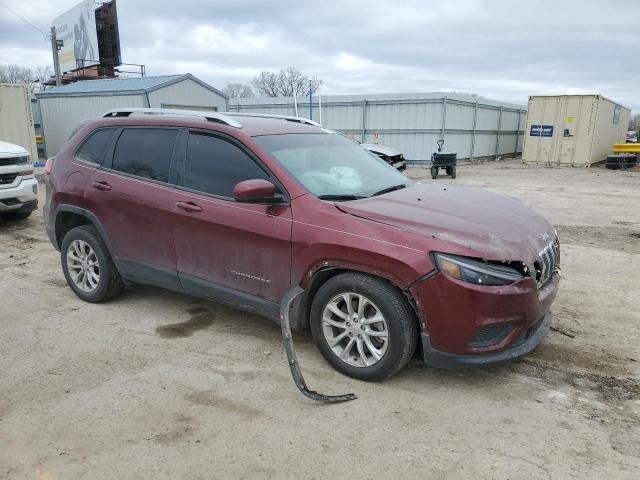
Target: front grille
[[488, 336], [7, 178], [548, 262], [14, 161]]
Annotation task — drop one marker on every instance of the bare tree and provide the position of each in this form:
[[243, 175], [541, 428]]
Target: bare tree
[[634, 122], [238, 90], [286, 83], [267, 84], [15, 74], [32, 77]]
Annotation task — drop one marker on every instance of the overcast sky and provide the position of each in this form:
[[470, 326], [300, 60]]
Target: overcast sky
[[504, 50]]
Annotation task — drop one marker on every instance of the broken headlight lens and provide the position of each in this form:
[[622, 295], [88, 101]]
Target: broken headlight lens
[[475, 271]]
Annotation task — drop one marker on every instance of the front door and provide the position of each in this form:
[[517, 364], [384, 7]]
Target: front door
[[223, 246]]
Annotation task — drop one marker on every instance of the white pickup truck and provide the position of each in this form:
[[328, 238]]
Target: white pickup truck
[[18, 186]]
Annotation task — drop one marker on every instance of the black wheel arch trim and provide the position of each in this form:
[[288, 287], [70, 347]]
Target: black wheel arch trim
[[84, 213]]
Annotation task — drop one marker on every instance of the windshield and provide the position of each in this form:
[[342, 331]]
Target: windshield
[[330, 165]]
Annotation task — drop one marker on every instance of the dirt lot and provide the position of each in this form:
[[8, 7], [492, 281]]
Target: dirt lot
[[161, 385]]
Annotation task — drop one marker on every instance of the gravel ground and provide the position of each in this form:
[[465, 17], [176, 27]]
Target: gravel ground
[[161, 385]]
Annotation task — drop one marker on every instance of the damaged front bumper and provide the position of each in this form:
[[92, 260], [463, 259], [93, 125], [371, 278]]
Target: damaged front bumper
[[465, 324], [528, 341]]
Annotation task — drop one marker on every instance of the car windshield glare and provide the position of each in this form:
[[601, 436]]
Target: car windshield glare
[[330, 165]]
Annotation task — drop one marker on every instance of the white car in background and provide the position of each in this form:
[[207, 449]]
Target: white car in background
[[18, 186], [388, 154]]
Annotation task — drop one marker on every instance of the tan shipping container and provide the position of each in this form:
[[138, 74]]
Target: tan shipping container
[[16, 119], [572, 130]]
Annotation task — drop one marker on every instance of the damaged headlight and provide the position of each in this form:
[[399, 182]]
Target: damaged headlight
[[476, 271]]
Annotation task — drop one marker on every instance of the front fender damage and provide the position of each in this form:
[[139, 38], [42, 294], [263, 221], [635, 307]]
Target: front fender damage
[[287, 339]]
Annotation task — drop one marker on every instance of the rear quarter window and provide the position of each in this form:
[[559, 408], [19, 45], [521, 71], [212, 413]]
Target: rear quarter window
[[145, 152], [94, 148]]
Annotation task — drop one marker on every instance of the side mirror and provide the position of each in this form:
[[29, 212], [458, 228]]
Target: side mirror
[[256, 191]]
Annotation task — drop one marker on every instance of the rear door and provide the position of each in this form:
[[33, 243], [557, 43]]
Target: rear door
[[221, 245], [131, 195]]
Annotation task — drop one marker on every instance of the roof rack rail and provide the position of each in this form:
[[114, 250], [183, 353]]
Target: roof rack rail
[[208, 116], [268, 115]]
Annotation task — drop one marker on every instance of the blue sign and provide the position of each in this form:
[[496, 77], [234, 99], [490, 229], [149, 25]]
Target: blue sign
[[541, 131]]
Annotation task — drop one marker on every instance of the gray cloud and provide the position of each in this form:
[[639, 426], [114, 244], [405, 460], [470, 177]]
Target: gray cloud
[[500, 49]]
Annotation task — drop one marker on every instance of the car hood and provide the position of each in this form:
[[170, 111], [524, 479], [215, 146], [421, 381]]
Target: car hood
[[390, 152], [461, 220], [9, 150]]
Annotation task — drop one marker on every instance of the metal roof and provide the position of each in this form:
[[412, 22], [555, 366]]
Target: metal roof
[[126, 86]]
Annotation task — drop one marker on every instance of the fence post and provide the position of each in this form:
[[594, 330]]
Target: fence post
[[515, 152], [473, 135], [444, 117], [364, 114], [498, 133]]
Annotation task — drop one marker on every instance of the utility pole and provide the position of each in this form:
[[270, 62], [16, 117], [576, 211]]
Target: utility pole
[[55, 46]]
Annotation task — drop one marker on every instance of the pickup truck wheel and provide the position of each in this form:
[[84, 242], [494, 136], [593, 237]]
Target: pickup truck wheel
[[88, 267], [363, 326], [434, 172]]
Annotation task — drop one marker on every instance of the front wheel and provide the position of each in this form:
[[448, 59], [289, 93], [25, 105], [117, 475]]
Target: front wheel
[[434, 172], [453, 172], [363, 326]]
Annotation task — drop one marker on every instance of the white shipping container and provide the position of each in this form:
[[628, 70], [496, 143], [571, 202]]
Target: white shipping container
[[573, 130], [16, 120]]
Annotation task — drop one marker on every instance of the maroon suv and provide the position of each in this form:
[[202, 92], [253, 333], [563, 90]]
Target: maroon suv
[[245, 209]]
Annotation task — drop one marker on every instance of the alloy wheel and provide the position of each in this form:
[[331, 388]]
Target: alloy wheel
[[355, 329], [83, 266]]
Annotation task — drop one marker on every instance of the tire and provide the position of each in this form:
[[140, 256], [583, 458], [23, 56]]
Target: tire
[[400, 326], [16, 216], [453, 172], [78, 242], [434, 172]]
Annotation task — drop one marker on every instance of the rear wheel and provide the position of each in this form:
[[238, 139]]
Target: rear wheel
[[88, 267], [363, 326], [453, 172], [434, 172], [16, 215]]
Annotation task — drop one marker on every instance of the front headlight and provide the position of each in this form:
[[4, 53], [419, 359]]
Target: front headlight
[[476, 271]]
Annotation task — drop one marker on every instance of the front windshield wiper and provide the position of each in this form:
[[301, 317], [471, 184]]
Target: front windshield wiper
[[390, 189], [340, 197]]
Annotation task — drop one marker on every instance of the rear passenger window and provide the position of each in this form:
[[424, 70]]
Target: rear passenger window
[[95, 147], [145, 152], [215, 165]]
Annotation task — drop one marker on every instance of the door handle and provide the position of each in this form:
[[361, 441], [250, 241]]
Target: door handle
[[102, 186], [189, 206]]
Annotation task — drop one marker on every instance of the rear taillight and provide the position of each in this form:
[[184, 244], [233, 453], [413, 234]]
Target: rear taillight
[[48, 165]]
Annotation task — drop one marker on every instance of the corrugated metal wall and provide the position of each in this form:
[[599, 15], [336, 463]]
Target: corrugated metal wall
[[61, 115], [412, 123], [186, 94]]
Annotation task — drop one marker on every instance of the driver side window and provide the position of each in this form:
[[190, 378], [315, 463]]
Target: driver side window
[[214, 165]]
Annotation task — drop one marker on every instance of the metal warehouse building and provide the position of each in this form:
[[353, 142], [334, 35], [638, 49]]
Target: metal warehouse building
[[62, 108], [412, 123]]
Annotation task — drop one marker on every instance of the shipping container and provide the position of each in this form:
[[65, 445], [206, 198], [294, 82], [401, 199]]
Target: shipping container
[[572, 130], [16, 119]]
